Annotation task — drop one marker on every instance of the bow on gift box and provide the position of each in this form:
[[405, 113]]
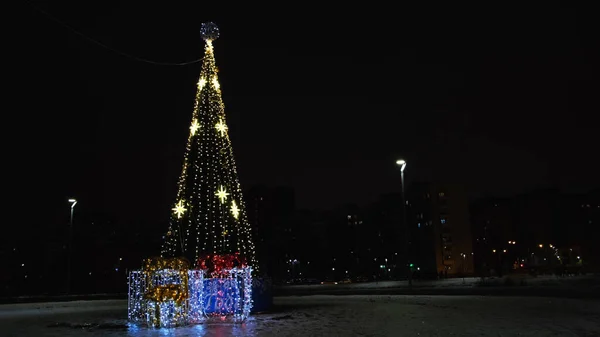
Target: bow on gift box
[[218, 264], [166, 291]]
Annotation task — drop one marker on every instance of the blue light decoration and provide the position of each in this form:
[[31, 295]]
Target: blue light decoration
[[229, 295], [196, 298]]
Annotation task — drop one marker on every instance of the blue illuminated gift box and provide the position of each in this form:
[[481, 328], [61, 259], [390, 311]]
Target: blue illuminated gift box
[[229, 294]]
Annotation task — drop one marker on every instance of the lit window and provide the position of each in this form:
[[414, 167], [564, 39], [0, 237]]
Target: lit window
[[441, 194]]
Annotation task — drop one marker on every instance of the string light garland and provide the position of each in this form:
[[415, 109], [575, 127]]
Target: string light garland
[[208, 223]]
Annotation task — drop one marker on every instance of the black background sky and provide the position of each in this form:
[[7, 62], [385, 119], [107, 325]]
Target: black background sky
[[501, 98]]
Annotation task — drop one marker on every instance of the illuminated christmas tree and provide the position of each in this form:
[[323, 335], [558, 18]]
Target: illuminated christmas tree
[[208, 255], [208, 214]]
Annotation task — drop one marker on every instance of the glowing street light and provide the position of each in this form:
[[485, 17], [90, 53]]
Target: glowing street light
[[402, 164], [73, 203]]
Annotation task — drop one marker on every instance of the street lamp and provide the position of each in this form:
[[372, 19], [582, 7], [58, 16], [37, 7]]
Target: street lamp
[[73, 203], [402, 164]]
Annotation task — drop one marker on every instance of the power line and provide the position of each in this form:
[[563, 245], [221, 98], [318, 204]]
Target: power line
[[137, 58]]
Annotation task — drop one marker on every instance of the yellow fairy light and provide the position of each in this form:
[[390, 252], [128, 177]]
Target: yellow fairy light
[[201, 83], [225, 232], [179, 209], [235, 210], [216, 83], [221, 127], [222, 194], [195, 126]]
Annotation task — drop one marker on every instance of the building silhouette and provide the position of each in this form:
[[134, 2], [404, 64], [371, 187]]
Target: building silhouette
[[271, 213], [440, 229]]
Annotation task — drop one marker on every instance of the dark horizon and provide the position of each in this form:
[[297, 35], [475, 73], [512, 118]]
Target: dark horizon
[[501, 100]]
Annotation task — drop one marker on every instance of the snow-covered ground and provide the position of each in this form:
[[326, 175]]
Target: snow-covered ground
[[324, 315], [542, 281]]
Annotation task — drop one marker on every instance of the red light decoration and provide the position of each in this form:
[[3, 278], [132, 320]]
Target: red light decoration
[[216, 265]]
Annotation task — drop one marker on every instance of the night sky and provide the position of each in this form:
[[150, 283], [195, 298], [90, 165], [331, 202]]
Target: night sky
[[503, 100]]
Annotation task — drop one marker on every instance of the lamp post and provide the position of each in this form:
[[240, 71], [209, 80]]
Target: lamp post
[[402, 164], [73, 203], [464, 266]]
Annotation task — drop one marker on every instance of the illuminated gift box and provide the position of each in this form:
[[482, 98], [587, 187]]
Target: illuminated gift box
[[227, 286], [159, 293], [139, 311]]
